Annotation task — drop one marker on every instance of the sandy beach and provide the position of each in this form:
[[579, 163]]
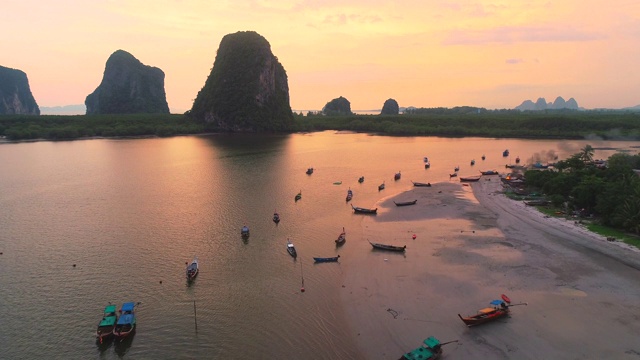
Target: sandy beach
[[472, 245]]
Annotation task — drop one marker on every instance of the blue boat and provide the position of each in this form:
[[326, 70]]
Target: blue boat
[[326, 259], [127, 322], [505, 153]]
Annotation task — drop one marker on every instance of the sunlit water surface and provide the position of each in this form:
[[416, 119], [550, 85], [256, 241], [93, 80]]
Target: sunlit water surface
[[130, 213]]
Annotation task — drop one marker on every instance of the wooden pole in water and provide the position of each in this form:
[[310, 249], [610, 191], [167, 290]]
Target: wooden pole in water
[[195, 318]]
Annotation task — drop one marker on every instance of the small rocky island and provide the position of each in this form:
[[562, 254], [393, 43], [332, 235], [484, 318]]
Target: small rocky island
[[338, 106], [247, 89], [128, 87], [15, 93], [390, 107]]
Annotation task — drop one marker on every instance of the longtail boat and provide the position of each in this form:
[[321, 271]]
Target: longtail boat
[[469, 179], [388, 247], [406, 203], [489, 172], [107, 324], [498, 309], [127, 322], [276, 217], [360, 210], [326, 259], [341, 238], [291, 249], [397, 176], [421, 184], [430, 350], [192, 269], [381, 186], [298, 196], [349, 195]]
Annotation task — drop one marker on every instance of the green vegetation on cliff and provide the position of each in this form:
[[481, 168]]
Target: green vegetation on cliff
[[247, 89]]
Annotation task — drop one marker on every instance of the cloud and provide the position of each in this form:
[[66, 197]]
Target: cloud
[[513, 34], [343, 19], [514, 61]]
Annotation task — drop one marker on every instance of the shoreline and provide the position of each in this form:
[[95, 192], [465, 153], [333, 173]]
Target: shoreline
[[472, 245]]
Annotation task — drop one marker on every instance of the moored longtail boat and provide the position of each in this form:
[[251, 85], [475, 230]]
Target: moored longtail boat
[[469, 179], [276, 217], [421, 184], [406, 203], [341, 238], [430, 350], [192, 269], [107, 324], [360, 210], [291, 249], [326, 259], [349, 195], [127, 322], [498, 309], [388, 247]]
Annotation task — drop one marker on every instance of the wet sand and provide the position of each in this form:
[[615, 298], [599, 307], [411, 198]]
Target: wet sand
[[472, 245]]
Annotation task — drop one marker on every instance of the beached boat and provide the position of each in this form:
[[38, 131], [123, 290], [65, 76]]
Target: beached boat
[[505, 153], [536, 202], [489, 172], [388, 247], [192, 269], [276, 217], [349, 195], [469, 179], [406, 203], [309, 171], [499, 308], [397, 176], [291, 249], [341, 238], [430, 350], [107, 324], [298, 196], [361, 179], [326, 259], [417, 184], [126, 324], [364, 210], [244, 231], [381, 186]]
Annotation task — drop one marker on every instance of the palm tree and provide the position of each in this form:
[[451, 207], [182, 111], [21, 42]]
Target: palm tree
[[586, 153]]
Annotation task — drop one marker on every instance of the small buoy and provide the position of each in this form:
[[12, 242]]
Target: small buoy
[[301, 289], [414, 236], [74, 265], [160, 281], [385, 259], [0, 253]]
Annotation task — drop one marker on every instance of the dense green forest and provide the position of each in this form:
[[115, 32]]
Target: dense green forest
[[609, 190], [498, 124]]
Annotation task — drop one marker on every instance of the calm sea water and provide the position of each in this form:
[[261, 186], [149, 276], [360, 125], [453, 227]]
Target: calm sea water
[[130, 213]]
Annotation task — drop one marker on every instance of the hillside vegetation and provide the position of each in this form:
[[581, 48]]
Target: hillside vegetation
[[574, 125]]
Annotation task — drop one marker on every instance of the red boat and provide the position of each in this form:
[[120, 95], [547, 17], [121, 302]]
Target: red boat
[[498, 309]]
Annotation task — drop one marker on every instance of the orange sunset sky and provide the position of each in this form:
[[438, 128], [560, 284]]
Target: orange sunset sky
[[424, 53]]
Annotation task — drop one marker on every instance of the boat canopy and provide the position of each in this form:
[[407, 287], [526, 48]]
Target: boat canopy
[[110, 309], [496, 302], [128, 306], [108, 321], [431, 342], [126, 319]]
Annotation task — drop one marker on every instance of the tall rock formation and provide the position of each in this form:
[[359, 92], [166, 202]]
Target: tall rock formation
[[337, 106], [247, 89], [128, 87], [390, 107], [15, 93]]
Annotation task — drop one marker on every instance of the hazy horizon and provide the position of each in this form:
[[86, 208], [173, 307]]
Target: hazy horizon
[[491, 54]]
